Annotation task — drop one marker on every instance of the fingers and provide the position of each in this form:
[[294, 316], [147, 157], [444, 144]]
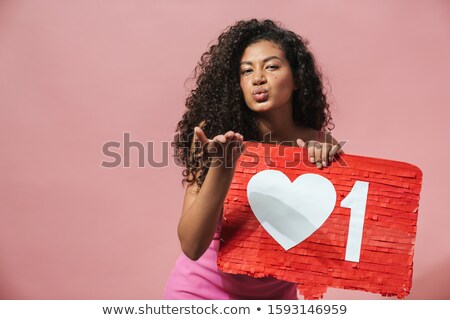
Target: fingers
[[326, 147], [220, 138], [334, 150], [237, 150], [315, 152], [228, 137], [311, 150], [235, 141], [301, 143], [223, 148], [320, 153], [239, 137], [201, 136]]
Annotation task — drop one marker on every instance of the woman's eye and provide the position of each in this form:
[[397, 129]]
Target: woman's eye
[[246, 71], [272, 67]]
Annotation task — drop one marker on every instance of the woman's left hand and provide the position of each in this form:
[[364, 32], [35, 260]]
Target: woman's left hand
[[320, 153]]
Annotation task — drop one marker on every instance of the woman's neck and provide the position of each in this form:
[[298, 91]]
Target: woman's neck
[[280, 128]]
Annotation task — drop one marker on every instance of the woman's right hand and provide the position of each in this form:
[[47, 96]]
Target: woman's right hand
[[223, 150], [202, 207]]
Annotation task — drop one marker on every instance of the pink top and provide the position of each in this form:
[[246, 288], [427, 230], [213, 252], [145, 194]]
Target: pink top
[[202, 279]]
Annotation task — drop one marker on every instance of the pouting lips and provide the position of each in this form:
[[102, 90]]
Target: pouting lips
[[260, 95]]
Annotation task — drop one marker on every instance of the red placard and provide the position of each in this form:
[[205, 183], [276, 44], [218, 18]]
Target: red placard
[[385, 263]]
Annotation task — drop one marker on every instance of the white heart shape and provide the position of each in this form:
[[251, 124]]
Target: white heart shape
[[290, 211]]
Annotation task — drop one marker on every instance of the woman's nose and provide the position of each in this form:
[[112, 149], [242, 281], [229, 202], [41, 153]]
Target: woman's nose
[[258, 78]]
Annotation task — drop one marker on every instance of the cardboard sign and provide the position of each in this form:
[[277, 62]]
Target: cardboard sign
[[351, 225]]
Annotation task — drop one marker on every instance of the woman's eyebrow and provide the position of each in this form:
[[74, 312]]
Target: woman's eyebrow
[[264, 61]]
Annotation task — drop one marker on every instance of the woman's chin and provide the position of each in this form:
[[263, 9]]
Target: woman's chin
[[261, 106]]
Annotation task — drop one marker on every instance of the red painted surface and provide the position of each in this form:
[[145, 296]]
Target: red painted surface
[[386, 260]]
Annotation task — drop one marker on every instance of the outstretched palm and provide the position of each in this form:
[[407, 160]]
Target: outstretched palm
[[223, 149]]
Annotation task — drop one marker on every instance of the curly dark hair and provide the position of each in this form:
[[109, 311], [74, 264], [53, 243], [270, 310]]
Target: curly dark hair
[[217, 101]]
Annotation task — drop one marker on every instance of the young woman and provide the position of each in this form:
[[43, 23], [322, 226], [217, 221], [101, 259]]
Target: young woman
[[259, 81]]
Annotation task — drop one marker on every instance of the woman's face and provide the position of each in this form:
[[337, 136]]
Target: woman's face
[[266, 77]]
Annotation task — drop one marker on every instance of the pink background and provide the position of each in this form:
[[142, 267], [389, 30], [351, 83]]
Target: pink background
[[76, 74]]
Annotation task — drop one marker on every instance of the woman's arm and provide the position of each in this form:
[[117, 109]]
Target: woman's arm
[[202, 207]]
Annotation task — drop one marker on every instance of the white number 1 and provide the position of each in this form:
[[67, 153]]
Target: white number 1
[[356, 201]]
